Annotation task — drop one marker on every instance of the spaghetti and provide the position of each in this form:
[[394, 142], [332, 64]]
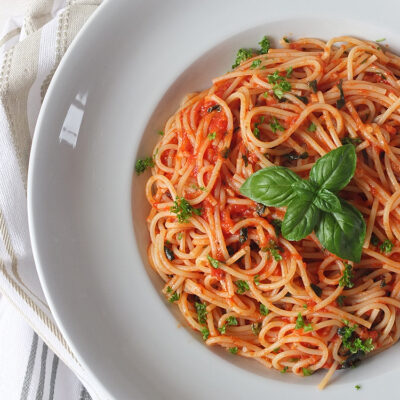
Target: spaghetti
[[292, 306]]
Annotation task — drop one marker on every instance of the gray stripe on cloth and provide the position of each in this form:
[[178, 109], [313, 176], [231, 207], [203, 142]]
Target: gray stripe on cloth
[[29, 368], [54, 367], [39, 391], [85, 394]]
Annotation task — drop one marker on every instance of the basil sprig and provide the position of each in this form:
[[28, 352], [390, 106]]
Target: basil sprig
[[313, 205]]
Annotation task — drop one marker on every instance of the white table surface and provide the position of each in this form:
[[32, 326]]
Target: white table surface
[[9, 8]]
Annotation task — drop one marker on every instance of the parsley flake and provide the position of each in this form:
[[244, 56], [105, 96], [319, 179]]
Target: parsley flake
[[276, 126], [212, 135], [299, 322], [206, 333], [307, 371], [265, 45], [386, 246], [263, 309], [242, 55], [233, 350], [256, 328], [142, 164], [214, 263], [201, 312], [346, 279], [284, 369], [242, 286], [161, 133], [312, 127], [184, 210], [174, 297], [255, 64]]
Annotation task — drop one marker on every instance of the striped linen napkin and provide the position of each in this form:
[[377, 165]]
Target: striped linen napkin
[[30, 51]]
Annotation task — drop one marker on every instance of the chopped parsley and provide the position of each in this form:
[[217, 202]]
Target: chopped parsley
[[184, 210], [350, 140], [380, 40], [215, 107], [255, 64], [243, 235], [161, 133], [263, 309], [289, 72], [284, 369], [212, 135], [169, 253], [346, 279], [242, 55], [233, 350], [292, 156], [201, 312], [274, 250], [179, 236], [313, 85], [276, 126], [308, 328], [341, 102], [352, 343], [305, 306], [312, 127], [256, 132], [169, 289], [142, 164], [256, 280], [358, 387], [174, 297], [206, 333], [231, 321], [386, 246], [317, 289], [286, 40], [276, 349], [265, 45], [299, 322], [277, 224], [281, 85], [214, 263], [265, 94], [242, 286], [256, 328], [307, 371]]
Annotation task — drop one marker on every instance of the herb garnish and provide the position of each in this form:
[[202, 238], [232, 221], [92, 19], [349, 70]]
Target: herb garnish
[[277, 224], [286, 40], [233, 350], [242, 286], [289, 72], [206, 333], [201, 312], [255, 64], [256, 328], [174, 297], [276, 126], [256, 280], [284, 369], [307, 371], [263, 309], [358, 387], [265, 45], [161, 133], [281, 85], [142, 164], [386, 246], [352, 343], [214, 263], [312, 127], [299, 322], [350, 140], [184, 210], [313, 204], [212, 136], [242, 55], [346, 279], [292, 156], [274, 249], [341, 102]]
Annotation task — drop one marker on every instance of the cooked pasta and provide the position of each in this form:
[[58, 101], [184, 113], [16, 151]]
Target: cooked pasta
[[291, 305]]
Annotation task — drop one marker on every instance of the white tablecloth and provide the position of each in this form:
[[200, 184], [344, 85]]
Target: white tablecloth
[[35, 364]]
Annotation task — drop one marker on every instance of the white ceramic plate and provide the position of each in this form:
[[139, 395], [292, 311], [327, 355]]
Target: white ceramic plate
[[126, 73]]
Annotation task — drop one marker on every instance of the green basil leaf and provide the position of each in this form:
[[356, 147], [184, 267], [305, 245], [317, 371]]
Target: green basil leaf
[[300, 219], [305, 190], [271, 186], [334, 170], [342, 232], [325, 200]]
